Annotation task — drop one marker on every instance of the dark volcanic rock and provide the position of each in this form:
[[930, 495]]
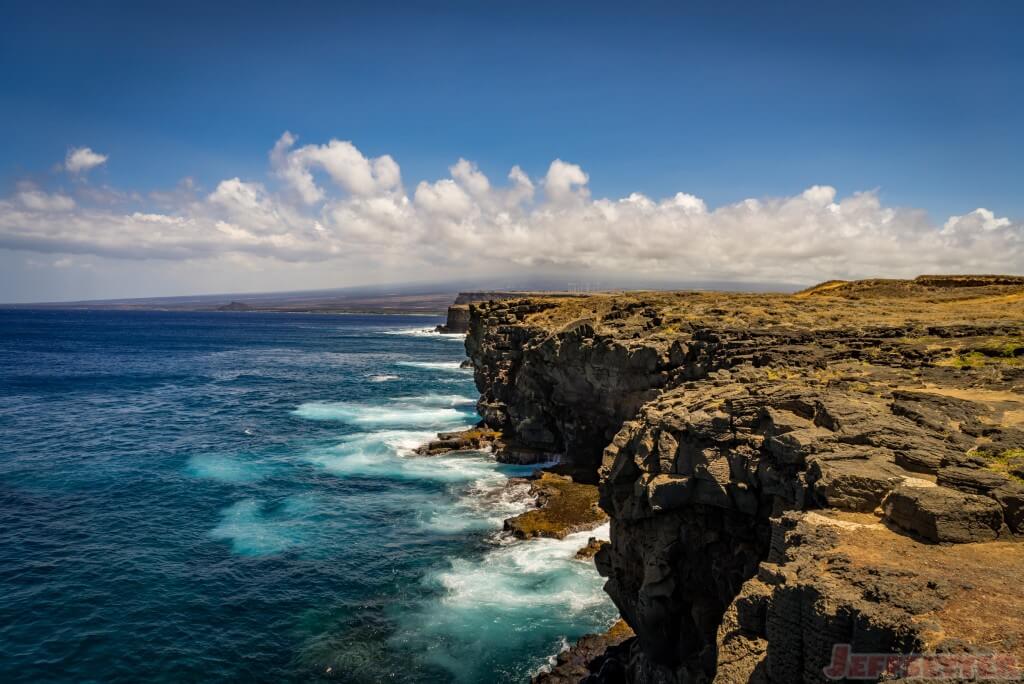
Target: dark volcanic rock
[[457, 321], [718, 424], [585, 658], [564, 507], [940, 514], [463, 440]]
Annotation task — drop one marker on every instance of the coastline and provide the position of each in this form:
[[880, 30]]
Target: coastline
[[560, 507], [782, 438]]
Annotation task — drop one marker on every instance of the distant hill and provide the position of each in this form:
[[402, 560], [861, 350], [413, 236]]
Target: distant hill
[[408, 298]]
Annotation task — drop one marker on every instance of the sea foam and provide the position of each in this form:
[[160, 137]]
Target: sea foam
[[436, 365], [228, 467], [397, 414], [388, 454], [427, 332], [510, 597], [256, 529]]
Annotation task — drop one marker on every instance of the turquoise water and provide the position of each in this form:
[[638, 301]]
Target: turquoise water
[[232, 497]]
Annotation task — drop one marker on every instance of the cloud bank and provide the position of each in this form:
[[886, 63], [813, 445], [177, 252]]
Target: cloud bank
[[329, 202]]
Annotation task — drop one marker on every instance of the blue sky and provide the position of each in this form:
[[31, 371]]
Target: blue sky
[[918, 101]]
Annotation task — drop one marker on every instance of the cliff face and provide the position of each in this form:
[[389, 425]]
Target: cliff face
[[457, 320], [564, 390], [757, 453]]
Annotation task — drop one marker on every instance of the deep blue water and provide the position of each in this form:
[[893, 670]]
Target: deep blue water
[[231, 497]]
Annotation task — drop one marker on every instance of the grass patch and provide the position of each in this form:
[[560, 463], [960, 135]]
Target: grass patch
[[993, 351], [977, 359], [1009, 462]]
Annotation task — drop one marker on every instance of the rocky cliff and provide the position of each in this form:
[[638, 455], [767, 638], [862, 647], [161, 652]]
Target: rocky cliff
[[457, 320], [784, 473]]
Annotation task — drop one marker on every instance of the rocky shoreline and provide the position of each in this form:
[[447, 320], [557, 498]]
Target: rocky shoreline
[[784, 474], [563, 507]]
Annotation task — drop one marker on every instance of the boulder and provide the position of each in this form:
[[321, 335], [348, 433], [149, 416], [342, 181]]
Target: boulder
[[1011, 497], [941, 514], [857, 484], [973, 480]]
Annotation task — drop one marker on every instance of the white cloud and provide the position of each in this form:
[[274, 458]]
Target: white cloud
[[445, 198], [469, 177], [82, 159], [977, 220], [32, 198], [565, 182], [340, 159], [363, 217]]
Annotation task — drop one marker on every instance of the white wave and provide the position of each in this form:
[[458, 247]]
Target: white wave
[[482, 506], [449, 400], [536, 572], [512, 595], [398, 414], [436, 365], [427, 332], [388, 455], [382, 377]]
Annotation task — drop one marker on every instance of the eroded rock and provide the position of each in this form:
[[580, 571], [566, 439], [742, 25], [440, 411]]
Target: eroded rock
[[718, 424], [941, 514]]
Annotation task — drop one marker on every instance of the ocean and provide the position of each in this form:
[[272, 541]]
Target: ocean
[[232, 496]]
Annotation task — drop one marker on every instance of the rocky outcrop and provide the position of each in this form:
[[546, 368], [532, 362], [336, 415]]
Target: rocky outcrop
[[564, 391], [563, 507], [473, 439], [457, 320], [587, 658], [738, 437]]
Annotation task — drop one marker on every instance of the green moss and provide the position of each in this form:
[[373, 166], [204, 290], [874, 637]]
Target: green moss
[[977, 359], [1009, 462], [969, 360], [1005, 348]]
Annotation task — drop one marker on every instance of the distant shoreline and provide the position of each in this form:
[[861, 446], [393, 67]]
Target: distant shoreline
[[36, 307]]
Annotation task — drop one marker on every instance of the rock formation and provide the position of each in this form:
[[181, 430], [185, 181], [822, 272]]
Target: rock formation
[[784, 474], [457, 320]]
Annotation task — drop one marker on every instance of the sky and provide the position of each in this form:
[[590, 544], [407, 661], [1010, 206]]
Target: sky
[[178, 148]]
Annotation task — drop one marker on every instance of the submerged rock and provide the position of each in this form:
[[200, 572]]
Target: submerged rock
[[590, 550]]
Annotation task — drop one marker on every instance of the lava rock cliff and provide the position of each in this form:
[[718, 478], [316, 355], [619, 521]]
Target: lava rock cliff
[[784, 474]]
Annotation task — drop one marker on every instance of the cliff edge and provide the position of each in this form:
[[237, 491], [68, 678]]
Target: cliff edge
[[795, 482]]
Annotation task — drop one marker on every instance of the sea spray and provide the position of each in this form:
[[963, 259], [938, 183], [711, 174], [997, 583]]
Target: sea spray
[[525, 595]]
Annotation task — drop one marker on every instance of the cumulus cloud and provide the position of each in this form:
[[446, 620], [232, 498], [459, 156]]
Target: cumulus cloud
[[82, 159], [332, 202], [342, 162], [565, 182]]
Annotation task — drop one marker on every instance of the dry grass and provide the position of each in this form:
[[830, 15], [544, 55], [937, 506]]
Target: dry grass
[[874, 303], [985, 605]]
